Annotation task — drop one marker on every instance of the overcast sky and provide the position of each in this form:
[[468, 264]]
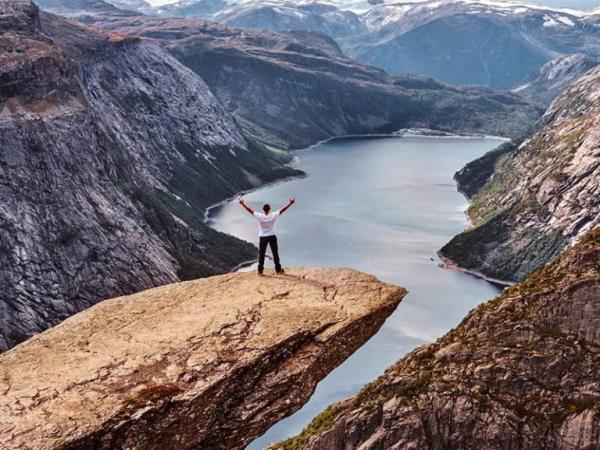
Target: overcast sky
[[574, 4]]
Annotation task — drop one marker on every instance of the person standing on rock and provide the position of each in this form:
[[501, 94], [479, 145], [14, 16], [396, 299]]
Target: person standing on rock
[[266, 232]]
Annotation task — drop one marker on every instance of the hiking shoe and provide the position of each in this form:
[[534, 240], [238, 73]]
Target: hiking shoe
[[281, 271]]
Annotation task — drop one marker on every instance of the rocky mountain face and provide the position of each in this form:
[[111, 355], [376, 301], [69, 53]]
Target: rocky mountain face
[[295, 89], [210, 363], [518, 372], [110, 150], [541, 196], [554, 77]]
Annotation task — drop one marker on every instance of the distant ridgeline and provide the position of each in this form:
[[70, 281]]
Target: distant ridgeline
[[431, 38], [295, 89]]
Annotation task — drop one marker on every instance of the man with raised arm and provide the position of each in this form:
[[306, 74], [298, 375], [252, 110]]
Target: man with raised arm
[[266, 232]]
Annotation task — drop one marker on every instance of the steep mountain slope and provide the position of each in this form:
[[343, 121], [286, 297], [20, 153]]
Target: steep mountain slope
[[295, 89], [500, 43], [206, 364], [554, 77], [518, 372], [109, 151], [541, 196]]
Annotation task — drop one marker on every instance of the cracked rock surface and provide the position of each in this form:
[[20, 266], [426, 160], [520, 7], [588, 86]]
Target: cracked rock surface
[[210, 363], [520, 372]]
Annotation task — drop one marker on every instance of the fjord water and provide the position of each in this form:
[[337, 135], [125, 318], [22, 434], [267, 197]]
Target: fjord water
[[384, 206]]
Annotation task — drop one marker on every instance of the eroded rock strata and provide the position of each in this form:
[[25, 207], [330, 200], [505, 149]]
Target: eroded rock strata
[[520, 371], [110, 150], [209, 364], [539, 196]]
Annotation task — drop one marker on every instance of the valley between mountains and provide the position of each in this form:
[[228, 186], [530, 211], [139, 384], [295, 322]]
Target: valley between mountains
[[158, 105], [121, 123]]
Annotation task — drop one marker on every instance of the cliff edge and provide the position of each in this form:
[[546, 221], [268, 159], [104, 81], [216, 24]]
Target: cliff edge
[[210, 363]]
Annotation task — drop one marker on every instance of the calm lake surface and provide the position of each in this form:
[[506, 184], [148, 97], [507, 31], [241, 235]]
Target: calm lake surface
[[384, 206]]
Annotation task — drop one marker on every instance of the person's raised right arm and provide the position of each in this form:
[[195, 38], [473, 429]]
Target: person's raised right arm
[[290, 202], [245, 206]]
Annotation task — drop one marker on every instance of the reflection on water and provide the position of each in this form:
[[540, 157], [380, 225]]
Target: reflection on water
[[384, 206]]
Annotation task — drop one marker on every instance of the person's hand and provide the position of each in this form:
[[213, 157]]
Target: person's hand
[[291, 201]]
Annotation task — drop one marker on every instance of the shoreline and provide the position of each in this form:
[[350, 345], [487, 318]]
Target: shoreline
[[211, 208], [402, 133], [243, 264], [448, 263]]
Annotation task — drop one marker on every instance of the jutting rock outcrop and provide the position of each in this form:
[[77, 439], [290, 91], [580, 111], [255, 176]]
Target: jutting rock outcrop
[[110, 150], [520, 371], [208, 364], [539, 196]]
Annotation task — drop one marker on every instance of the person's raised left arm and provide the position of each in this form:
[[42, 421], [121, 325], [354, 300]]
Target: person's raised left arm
[[245, 206], [290, 202]]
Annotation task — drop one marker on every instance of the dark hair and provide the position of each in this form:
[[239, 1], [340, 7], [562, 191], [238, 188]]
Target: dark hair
[[266, 208]]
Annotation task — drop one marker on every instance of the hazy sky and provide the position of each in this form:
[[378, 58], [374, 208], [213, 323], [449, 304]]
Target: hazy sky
[[575, 4]]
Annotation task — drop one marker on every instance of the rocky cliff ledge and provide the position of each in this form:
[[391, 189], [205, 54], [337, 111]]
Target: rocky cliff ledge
[[520, 372], [205, 364]]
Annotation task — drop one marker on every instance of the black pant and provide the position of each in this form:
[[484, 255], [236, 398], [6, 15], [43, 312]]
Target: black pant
[[262, 249]]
